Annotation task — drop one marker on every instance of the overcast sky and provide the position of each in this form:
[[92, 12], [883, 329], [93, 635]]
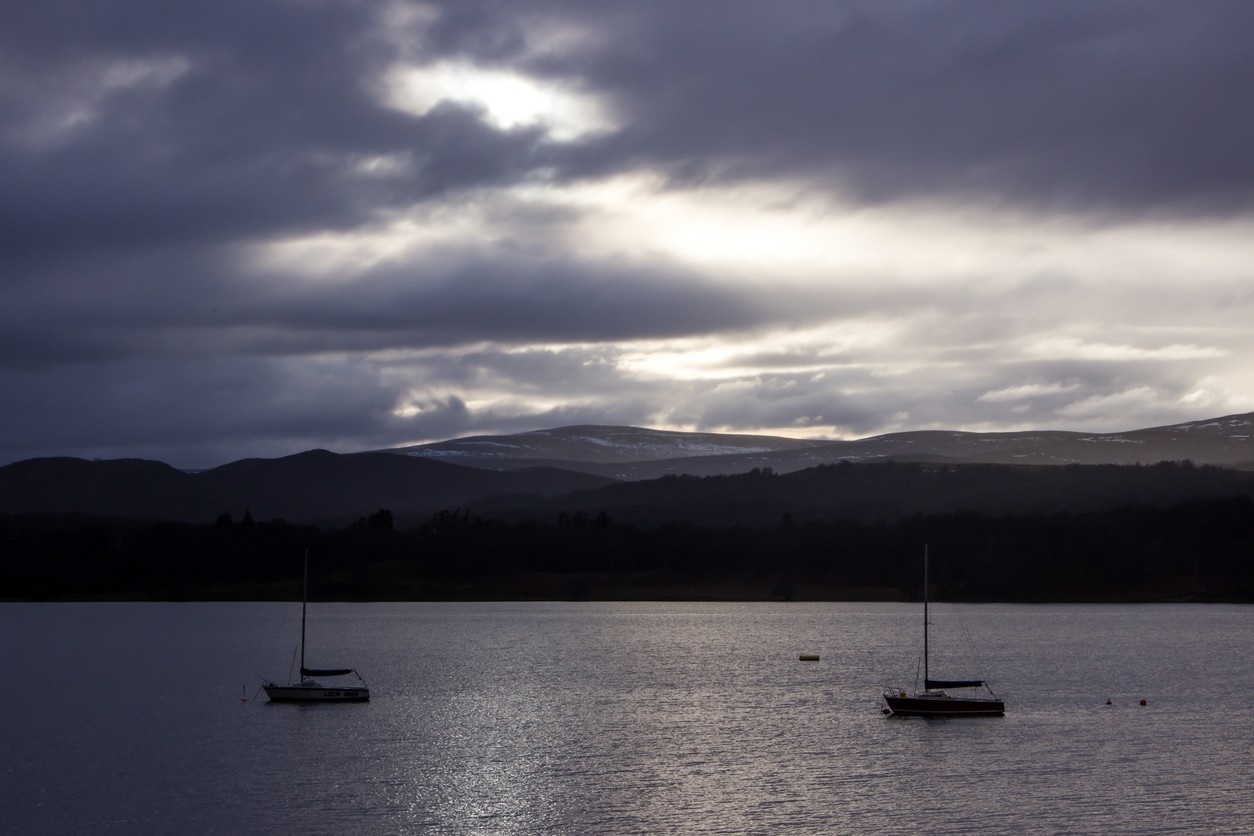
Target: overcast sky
[[249, 228]]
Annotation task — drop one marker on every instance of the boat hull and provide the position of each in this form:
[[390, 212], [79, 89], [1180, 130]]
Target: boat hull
[[315, 692], [943, 705]]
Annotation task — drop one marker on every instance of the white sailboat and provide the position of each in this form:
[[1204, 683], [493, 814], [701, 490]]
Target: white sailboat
[[310, 689], [935, 700]]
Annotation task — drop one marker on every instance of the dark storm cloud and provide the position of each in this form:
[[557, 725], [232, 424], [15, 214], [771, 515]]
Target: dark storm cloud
[[165, 306], [560, 302], [1109, 107], [205, 410], [154, 124], [148, 149]]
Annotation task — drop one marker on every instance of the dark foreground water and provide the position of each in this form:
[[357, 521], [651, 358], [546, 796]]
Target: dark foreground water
[[624, 718]]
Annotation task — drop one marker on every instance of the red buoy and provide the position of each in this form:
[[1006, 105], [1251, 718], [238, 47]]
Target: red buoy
[[1108, 702], [1143, 702]]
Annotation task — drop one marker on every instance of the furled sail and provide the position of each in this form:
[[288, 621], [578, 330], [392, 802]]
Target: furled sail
[[325, 671], [952, 683]]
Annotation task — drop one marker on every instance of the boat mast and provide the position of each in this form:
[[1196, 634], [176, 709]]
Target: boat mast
[[924, 617], [304, 602]]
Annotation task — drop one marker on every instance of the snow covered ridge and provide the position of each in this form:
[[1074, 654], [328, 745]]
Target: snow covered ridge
[[605, 444], [636, 452], [1231, 422]]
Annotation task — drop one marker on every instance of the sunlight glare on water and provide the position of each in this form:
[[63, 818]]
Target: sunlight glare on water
[[625, 718]]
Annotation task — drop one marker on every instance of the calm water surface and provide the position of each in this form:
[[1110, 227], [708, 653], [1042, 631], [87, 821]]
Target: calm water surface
[[624, 718]]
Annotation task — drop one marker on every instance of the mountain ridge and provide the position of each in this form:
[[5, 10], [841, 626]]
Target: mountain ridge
[[1224, 441], [534, 473]]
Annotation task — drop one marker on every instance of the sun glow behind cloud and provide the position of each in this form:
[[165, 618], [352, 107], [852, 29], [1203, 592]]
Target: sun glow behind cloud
[[1072, 348], [508, 99], [892, 296], [788, 237], [810, 351]]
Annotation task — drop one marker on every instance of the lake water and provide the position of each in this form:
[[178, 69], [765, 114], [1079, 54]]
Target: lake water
[[624, 718]]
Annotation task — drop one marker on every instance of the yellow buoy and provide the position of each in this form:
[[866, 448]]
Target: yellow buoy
[[809, 657]]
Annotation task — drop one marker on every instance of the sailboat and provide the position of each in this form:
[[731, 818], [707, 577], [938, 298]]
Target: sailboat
[[935, 700], [309, 689]]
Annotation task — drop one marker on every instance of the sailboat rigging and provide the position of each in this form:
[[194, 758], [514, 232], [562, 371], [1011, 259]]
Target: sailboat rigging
[[309, 689], [934, 700]]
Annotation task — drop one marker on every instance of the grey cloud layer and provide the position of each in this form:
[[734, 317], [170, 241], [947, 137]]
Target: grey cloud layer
[[1107, 107], [1110, 106], [145, 145]]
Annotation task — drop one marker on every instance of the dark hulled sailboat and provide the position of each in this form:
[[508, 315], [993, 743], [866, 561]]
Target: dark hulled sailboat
[[935, 700], [309, 689]]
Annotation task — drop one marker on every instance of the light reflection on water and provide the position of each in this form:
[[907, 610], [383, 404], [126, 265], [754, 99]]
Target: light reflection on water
[[624, 718]]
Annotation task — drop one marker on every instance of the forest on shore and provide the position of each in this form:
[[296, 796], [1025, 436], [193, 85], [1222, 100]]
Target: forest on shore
[[1196, 550]]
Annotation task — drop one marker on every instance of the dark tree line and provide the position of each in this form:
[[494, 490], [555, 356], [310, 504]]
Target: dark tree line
[[1202, 549], [887, 491]]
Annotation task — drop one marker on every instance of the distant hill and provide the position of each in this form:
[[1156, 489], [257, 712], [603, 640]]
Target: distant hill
[[632, 453], [313, 487], [616, 452], [590, 469]]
